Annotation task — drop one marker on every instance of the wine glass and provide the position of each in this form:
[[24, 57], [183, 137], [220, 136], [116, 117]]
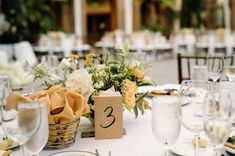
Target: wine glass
[[191, 112], [165, 120], [215, 64], [4, 81], [229, 67], [217, 119], [50, 60], [39, 140], [20, 122]]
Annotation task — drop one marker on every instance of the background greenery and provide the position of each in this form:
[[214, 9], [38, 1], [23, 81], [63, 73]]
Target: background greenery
[[28, 19]]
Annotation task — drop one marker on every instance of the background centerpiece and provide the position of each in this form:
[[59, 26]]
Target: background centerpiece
[[121, 74]]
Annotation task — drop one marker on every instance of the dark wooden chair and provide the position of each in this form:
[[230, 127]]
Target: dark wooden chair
[[186, 62]]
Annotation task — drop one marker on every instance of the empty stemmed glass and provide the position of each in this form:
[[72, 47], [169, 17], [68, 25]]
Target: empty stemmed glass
[[215, 63], [217, 119], [193, 93], [50, 60], [165, 120], [229, 67], [20, 121]]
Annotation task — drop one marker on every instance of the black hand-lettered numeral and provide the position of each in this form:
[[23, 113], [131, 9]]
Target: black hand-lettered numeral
[[110, 109]]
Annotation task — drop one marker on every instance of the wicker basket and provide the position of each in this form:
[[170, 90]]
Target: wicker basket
[[62, 135]]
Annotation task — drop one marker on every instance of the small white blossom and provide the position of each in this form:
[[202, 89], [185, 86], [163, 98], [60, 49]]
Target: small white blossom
[[134, 64], [147, 79], [109, 92], [100, 69], [65, 63]]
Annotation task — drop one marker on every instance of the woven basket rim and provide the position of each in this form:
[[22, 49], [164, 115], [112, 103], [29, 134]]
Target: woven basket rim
[[66, 123]]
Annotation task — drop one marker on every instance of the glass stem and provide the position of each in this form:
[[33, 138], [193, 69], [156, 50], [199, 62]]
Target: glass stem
[[166, 150], [216, 151], [22, 150], [196, 144]]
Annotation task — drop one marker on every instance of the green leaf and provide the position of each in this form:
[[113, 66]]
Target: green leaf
[[113, 70], [135, 111], [152, 83], [140, 96], [140, 106]]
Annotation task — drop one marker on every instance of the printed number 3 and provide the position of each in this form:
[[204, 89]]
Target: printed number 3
[[109, 116]]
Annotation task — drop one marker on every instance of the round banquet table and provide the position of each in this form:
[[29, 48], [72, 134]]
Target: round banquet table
[[138, 141]]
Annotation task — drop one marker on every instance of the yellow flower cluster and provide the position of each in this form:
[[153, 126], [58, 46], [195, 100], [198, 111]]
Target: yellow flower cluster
[[89, 59], [129, 91], [74, 56], [138, 73]]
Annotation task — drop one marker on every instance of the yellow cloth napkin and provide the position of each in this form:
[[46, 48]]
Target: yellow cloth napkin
[[63, 105]]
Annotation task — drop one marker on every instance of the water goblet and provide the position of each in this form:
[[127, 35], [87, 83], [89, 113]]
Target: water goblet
[[38, 140], [217, 119], [191, 114], [215, 63], [21, 121], [165, 120], [199, 72]]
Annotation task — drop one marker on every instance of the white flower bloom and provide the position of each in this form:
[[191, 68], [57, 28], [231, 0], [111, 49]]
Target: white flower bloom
[[16, 73], [134, 64], [146, 79], [109, 92], [80, 81], [100, 69], [65, 63], [99, 84]]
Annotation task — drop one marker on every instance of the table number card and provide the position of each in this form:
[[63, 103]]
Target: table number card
[[108, 117]]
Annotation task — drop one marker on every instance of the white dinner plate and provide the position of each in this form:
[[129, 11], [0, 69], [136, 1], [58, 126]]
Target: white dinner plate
[[230, 150], [74, 153], [14, 145], [186, 148], [144, 89]]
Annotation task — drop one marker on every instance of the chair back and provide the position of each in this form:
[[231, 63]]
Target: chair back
[[186, 62]]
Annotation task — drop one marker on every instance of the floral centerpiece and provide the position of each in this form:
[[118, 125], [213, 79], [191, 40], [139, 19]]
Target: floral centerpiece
[[121, 75]]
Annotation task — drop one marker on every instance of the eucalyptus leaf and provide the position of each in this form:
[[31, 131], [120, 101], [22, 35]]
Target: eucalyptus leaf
[[135, 111], [140, 106], [141, 96]]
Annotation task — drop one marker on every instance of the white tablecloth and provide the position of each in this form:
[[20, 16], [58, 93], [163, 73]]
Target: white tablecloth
[[139, 140]]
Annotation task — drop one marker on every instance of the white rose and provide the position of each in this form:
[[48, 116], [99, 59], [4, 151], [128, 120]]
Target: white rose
[[80, 81]]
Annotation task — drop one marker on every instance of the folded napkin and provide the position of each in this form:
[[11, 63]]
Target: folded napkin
[[63, 105]]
